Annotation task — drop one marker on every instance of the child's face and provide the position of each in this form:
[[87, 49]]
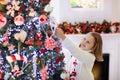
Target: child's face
[[87, 42]]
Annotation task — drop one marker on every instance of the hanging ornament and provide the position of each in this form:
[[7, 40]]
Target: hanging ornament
[[53, 24], [44, 74], [18, 20], [11, 47], [3, 20], [29, 42], [65, 75], [48, 8], [43, 18], [5, 40], [39, 43], [32, 12], [15, 57], [38, 36], [21, 36], [16, 71], [49, 43]]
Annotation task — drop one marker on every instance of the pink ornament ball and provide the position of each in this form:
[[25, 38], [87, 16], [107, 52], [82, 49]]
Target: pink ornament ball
[[49, 43], [43, 18], [3, 21], [18, 20]]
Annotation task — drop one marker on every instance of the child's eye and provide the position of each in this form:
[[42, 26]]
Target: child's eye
[[84, 38], [88, 42]]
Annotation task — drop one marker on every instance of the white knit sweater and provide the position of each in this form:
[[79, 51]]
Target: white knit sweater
[[85, 60]]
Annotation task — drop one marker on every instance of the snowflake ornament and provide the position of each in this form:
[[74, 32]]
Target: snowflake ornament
[[13, 7]]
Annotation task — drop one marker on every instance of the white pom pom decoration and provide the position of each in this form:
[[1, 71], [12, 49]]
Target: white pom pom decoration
[[48, 8], [63, 75]]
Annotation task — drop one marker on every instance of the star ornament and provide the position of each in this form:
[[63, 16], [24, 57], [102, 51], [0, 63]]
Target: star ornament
[[11, 47]]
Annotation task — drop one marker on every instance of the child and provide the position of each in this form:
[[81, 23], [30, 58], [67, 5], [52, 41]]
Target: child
[[89, 50]]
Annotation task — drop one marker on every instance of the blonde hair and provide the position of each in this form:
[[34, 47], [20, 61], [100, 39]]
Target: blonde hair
[[97, 48]]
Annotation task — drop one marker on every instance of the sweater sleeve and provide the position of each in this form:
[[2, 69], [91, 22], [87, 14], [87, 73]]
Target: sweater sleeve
[[83, 56]]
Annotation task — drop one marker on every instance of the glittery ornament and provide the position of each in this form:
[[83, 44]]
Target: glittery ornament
[[44, 74], [18, 20], [43, 18], [3, 21], [38, 36], [50, 43]]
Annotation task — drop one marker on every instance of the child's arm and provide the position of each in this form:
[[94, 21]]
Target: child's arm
[[83, 56]]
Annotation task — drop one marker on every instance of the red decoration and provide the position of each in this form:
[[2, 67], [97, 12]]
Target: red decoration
[[57, 49], [38, 36], [5, 39], [44, 74], [75, 63], [43, 18], [18, 20], [16, 71], [39, 43], [74, 73], [58, 60], [43, 50], [85, 27], [50, 43], [3, 21], [0, 74], [29, 42], [15, 57], [46, 1]]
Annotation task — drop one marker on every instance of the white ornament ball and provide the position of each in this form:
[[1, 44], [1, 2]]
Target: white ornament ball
[[48, 8], [63, 75], [18, 20], [3, 21]]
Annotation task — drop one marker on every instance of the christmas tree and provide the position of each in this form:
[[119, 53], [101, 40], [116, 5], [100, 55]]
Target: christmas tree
[[29, 50]]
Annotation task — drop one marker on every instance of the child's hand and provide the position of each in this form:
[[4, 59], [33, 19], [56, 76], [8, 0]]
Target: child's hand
[[67, 78], [59, 33]]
